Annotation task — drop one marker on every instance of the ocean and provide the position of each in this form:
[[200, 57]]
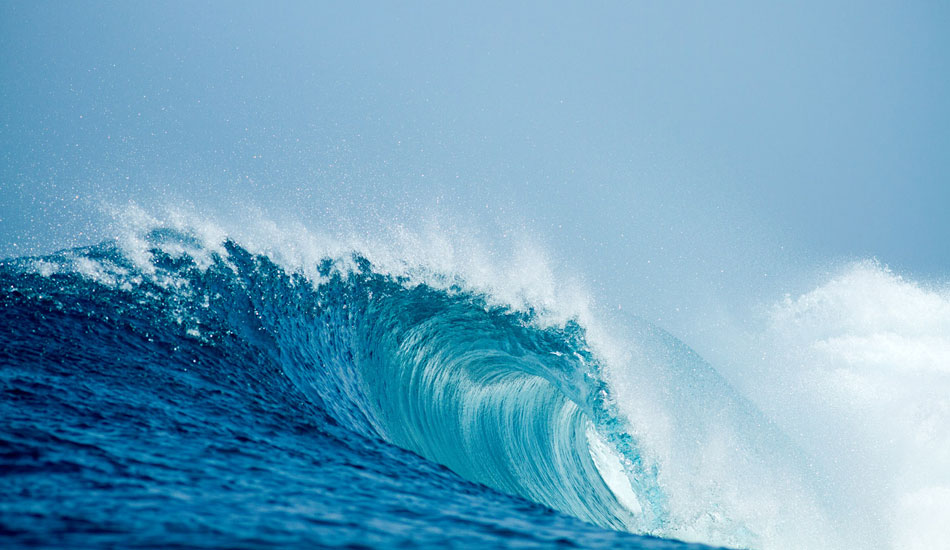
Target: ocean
[[199, 395], [182, 385], [474, 275]]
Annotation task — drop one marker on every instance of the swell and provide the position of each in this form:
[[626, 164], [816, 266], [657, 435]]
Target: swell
[[643, 436], [482, 389]]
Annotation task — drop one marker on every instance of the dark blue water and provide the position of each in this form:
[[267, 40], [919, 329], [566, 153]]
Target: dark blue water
[[229, 403]]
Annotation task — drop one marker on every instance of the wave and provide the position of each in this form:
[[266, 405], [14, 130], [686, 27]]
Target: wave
[[516, 386], [477, 387], [859, 373]]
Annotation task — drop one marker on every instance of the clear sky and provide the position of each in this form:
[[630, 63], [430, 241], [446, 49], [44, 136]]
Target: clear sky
[[705, 141]]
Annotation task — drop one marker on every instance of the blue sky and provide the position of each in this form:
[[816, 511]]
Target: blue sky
[[655, 142]]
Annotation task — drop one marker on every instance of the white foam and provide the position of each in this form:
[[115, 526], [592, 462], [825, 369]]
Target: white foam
[[45, 268], [858, 371], [515, 273]]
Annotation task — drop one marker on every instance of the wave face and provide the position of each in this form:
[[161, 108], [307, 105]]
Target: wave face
[[188, 394]]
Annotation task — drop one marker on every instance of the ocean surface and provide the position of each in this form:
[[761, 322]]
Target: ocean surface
[[475, 275], [175, 388]]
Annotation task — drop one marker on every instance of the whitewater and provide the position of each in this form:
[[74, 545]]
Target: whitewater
[[201, 383]]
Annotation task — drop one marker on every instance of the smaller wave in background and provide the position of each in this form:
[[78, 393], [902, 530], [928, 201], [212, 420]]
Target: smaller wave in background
[[857, 371]]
